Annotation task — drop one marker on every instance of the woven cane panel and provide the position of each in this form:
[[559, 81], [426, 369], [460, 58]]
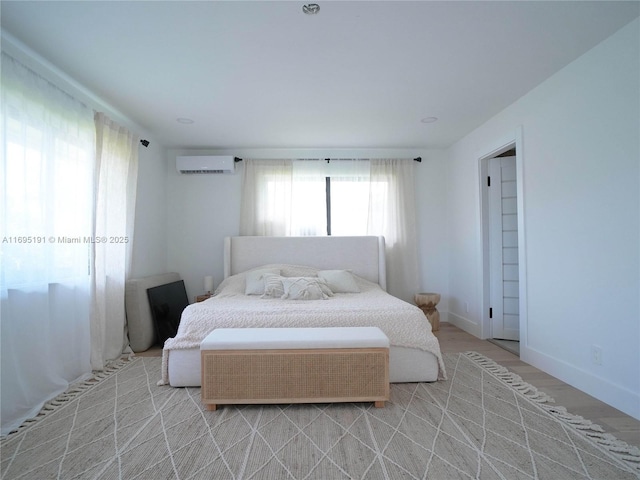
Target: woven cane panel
[[295, 375]]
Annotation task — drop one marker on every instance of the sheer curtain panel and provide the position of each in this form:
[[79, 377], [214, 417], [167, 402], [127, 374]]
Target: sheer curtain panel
[[392, 213], [48, 145], [116, 174], [266, 206]]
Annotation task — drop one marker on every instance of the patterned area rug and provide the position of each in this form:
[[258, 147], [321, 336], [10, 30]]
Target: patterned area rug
[[482, 423]]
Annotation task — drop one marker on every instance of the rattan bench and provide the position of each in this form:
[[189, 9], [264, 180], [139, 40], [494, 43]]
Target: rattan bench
[[294, 365]]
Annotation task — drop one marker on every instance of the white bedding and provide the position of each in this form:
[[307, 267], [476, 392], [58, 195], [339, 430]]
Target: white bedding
[[404, 324]]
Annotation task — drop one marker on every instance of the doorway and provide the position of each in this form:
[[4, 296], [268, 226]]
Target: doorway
[[500, 223]]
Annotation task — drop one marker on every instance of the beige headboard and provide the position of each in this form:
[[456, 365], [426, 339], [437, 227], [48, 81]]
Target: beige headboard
[[364, 256]]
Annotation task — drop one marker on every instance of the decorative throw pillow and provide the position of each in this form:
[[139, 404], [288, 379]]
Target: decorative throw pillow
[[324, 287], [304, 288], [255, 280], [273, 287], [339, 281]]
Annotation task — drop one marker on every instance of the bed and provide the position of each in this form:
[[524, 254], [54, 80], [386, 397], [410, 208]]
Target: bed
[[329, 281]]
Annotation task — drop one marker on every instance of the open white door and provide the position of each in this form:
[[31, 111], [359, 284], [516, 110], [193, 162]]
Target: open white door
[[503, 248]]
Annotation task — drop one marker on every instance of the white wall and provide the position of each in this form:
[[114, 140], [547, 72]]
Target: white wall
[[149, 256], [203, 209], [581, 159], [432, 229]]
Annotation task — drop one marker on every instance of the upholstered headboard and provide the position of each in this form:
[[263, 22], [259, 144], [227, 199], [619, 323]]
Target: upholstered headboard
[[364, 256]]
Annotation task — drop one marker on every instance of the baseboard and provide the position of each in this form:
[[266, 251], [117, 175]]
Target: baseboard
[[598, 387], [464, 324]]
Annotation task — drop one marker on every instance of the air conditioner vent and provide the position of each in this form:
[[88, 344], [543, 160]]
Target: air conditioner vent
[[193, 172], [205, 164]]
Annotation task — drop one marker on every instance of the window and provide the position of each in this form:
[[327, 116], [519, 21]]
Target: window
[[47, 178], [349, 206], [376, 197], [312, 197], [331, 197]]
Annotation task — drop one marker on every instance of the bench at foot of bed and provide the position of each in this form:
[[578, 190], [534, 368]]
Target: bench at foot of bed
[[294, 365]]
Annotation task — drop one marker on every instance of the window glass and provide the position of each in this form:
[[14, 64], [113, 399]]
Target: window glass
[[46, 215], [342, 186], [349, 206]]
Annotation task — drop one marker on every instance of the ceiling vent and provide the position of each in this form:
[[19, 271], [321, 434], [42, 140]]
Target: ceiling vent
[[203, 164]]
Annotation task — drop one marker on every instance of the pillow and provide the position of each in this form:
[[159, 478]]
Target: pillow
[[273, 287], [324, 287], [304, 288], [255, 280], [339, 281]]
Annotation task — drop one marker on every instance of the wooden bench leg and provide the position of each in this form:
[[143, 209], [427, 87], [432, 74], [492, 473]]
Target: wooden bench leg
[[379, 404], [211, 406]]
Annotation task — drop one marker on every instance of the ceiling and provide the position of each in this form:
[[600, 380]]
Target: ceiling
[[355, 75]]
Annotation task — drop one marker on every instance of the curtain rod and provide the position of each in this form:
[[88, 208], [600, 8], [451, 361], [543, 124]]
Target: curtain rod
[[238, 159], [417, 159]]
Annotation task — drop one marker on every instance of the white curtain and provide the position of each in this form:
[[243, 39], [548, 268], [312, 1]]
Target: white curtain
[[66, 218], [266, 199], [392, 213], [116, 174], [373, 197], [48, 142]]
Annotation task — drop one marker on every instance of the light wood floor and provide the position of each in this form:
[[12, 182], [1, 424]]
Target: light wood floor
[[454, 340], [613, 421]]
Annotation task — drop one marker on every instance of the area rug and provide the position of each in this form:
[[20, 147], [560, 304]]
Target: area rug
[[482, 423]]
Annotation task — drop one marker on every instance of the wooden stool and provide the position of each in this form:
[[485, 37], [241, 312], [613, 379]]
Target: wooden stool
[[427, 302]]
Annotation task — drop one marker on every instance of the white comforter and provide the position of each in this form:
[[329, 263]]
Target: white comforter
[[404, 324]]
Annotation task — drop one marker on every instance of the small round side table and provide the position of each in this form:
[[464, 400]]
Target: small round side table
[[427, 302]]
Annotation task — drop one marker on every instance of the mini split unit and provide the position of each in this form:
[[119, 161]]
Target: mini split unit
[[205, 164]]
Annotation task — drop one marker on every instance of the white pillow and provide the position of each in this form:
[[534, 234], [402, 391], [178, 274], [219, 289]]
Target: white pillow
[[339, 281], [255, 280], [304, 288], [273, 287]]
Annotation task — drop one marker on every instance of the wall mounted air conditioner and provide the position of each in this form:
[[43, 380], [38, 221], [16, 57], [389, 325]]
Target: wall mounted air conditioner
[[205, 164]]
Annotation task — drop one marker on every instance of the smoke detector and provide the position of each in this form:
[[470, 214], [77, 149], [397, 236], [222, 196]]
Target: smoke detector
[[311, 8]]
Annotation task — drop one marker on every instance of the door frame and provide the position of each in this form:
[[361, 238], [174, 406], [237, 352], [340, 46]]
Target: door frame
[[483, 167]]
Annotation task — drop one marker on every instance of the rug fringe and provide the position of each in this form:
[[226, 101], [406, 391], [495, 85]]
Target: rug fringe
[[74, 391], [629, 454]]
